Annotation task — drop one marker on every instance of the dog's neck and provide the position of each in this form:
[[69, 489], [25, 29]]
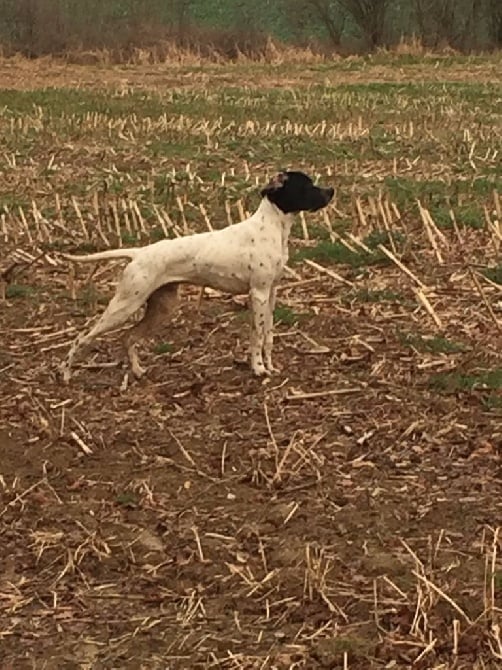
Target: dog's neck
[[272, 213]]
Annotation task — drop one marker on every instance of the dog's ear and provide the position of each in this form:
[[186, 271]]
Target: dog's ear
[[274, 184]]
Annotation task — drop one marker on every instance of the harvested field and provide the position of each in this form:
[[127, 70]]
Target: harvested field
[[346, 513]]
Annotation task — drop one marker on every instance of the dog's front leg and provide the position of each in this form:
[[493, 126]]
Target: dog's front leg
[[259, 300], [269, 332]]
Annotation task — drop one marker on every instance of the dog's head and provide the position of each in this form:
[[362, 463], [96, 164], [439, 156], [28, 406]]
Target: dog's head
[[296, 192]]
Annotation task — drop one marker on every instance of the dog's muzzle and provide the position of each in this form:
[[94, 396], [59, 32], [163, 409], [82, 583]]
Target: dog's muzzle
[[328, 193], [322, 198]]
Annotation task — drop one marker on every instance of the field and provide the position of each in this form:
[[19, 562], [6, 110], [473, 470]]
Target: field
[[346, 513]]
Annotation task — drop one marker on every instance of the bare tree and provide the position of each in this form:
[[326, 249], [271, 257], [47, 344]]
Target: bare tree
[[452, 22], [495, 21], [369, 16], [332, 19], [311, 17]]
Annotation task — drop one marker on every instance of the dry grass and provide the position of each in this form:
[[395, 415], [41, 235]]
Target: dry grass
[[345, 514]]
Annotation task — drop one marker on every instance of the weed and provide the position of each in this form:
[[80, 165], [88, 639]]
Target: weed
[[329, 252], [377, 237], [470, 216], [157, 234], [286, 316], [128, 238], [492, 401], [315, 230], [454, 381], [90, 295], [19, 291], [494, 273], [127, 499], [10, 202], [335, 647], [85, 248], [439, 196], [433, 345], [163, 348], [378, 295]]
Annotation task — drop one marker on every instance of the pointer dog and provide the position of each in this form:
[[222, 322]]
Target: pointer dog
[[248, 257]]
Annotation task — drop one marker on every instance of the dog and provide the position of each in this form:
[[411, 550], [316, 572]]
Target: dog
[[248, 257]]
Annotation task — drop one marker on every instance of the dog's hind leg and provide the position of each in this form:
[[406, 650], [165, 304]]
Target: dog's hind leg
[[120, 308], [159, 305]]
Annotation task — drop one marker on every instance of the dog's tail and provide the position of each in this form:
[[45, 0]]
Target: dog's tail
[[103, 255]]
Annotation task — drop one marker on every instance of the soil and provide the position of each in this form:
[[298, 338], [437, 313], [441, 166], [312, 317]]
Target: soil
[[338, 515]]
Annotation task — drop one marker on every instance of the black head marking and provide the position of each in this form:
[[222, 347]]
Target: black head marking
[[292, 191]]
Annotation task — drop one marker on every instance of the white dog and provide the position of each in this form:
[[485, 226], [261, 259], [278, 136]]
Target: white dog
[[248, 257]]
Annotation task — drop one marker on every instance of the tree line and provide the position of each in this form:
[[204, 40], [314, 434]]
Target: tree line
[[40, 27]]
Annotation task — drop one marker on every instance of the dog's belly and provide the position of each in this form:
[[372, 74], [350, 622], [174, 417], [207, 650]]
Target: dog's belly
[[222, 281]]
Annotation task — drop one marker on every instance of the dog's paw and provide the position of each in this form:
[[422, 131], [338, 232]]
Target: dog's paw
[[137, 370], [259, 370], [65, 373], [271, 368]]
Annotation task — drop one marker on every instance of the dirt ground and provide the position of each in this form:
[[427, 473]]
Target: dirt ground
[[202, 518], [344, 514]]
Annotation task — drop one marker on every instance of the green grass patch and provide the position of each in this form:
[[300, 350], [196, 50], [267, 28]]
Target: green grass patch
[[335, 252], [316, 231], [19, 291], [494, 273], [331, 252], [54, 102], [469, 216], [454, 381], [233, 104], [438, 195]]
